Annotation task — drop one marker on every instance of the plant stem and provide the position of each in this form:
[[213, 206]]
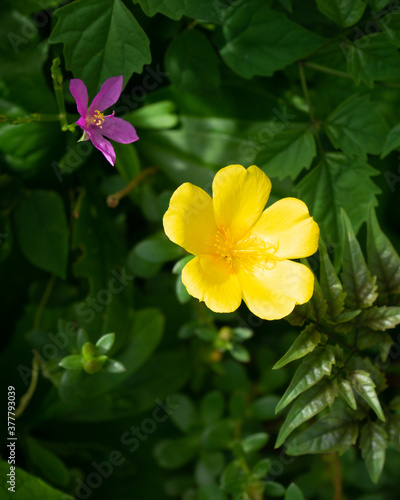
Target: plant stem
[[114, 199], [57, 77], [43, 302], [337, 478], [309, 104], [25, 399], [34, 117], [329, 71]]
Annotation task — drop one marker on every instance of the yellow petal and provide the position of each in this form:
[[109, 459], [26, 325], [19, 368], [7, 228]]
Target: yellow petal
[[189, 220], [287, 226], [239, 198], [273, 293], [209, 279]]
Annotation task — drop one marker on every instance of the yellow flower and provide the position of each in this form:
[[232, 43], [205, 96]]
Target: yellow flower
[[242, 250]]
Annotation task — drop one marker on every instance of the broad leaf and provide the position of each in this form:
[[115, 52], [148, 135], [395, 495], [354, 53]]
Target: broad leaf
[[42, 231], [331, 285], [352, 190], [383, 260], [101, 39], [373, 444], [260, 41], [372, 59], [344, 12], [308, 404], [380, 318], [335, 432], [358, 283], [287, 153], [315, 366], [357, 127], [308, 339], [363, 384], [206, 10], [346, 393]]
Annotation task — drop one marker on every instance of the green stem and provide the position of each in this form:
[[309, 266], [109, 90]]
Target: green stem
[[57, 77], [309, 104], [25, 399], [43, 302], [34, 117], [114, 199], [329, 71]]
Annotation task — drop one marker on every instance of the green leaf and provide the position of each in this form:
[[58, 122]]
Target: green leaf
[[347, 316], [264, 408], [260, 41], [357, 127], [101, 39], [308, 339], [184, 416], [343, 12], [45, 249], [72, 362], [49, 465], [390, 25], [114, 366], [105, 343], [293, 492], [392, 141], [372, 60], [218, 435], [154, 116], [158, 249], [380, 318], [174, 453], [206, 10], [211, 407], [330, 285], [325, 198], [315, 366], [254, 442], [373, 444], [393, 428], [307, 405], [181, 292], [335, 432], [287, 153], [211, 492], [127, 162], [273, 489], [358, 283], [378, 4], [240, 353], [383, 260], [260, 470], [191, 62], [346, 393], [287, 4], [28, 486], [365, 387]]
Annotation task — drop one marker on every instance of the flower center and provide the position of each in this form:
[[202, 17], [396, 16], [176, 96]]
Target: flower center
[[245, 252], [96, 119]]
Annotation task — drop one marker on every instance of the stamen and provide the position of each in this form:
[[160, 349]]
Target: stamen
[[98, 118]]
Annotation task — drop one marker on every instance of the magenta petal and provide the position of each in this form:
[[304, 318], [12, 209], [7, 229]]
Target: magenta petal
[[102, 145], [118, 130], [79, 93], [108, 95]]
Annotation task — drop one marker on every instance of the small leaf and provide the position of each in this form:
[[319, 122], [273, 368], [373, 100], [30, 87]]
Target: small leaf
[[330, 284], [211, 407], [72, 362], [154, 116], [254, 442], [260, 470], [373, 444], [181, 263], [346, 393], [174, 453], [114, 366], [240, 353], [316, 365], [273, 489], [264, 407], [358, 283], [104, 344], [294, 492], [218, 435], [365, 387], [82, 339], [306, 342], [383, 260], [158, 249], [335, 432], [307, 405]]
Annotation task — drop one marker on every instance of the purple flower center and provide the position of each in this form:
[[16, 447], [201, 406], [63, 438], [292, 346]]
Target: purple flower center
[[96, 119]]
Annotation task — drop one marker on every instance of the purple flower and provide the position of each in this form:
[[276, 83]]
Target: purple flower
[[93, 122]]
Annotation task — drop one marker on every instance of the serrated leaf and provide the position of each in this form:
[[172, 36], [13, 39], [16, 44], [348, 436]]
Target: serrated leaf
[[383, 260], [325, 198], [45, 249], [315, 366], [346, 393], [307, 406], [373, 444], [299, 314], [357, 127], [393, 428], [347, 316], [372, 60], [335, 432], [392, 141], [254, 442], [293, 492], [206, 10], [363, 384], [343, 12], [101, 39], [260, 41], [308, 339], [380, 318], [105, 343], [358, 283], [287, 153]]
